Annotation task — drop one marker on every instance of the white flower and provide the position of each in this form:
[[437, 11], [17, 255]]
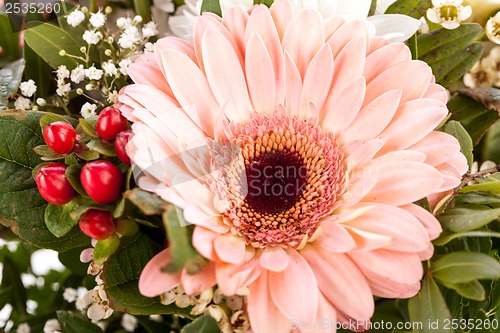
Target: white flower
[[93, 73], [124, 22], [78, 74], [62, 88], [129, 37], [109, 68], [28, 88], [448, 13], [113, 97], [22, 103], [75, 18], [137, 19], [124, 65], [97, 19], [493, 28], [129, 322], [166, 6], [149, 29], [52, 326], [92, 36], [149, 47], [41, 102], [88, 110], [23, 328], [62, 72], [70, 295]]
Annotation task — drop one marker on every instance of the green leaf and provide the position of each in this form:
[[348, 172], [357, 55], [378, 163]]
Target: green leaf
[[179, 238], [88, 126], [473, 115], [429, 307], [143, 8], [105, 248], [85, 153], [58, 218], [12, 278], [149, 203], [103, 147], [472, 290], [413, 8], [73, 176], [9, 40], [491, 144], [47, 40], [450, 53], [468, 218], [478, 198], [458, 131], [268, 3], [203, 324], [74, 322], [52, 118], [463, 266], [38, 70], [489, 184], [212, 6], [10, 78], [121, 273], [21, 206], [71, 259], [489, 97], [445, 238]]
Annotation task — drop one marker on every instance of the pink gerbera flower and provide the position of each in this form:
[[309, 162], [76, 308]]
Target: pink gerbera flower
[[297, 148]]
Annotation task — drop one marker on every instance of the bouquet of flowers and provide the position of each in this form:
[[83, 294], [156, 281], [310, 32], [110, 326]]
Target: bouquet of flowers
[[250, 166]]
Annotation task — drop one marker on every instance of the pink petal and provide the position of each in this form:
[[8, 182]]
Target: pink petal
[[263, 314], [303, 38], [391, 274], [384, 58], [174, 43], [274, 259], [235, 20], [359, 154], [367, 241], [282, 12], [346, 33], [402, 183], [326, 318], [225, 75], [335, 238], [293, 86], [203, 242], [341, 282], [439, 148], [331, 25], [148, 72], [437, 91], [231, 277], [429, 221], [153, 281], [230, 248], [196, 283], [294, 290]]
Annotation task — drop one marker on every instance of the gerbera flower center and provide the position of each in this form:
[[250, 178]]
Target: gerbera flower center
[[285, 178]]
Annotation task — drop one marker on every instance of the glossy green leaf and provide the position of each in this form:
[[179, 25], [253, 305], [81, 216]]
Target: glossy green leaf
[[268, 3], [58, 218], [489, 185], [473, 115], [85, 153], [12, 278], [48, 40], [463, 266], [472, 290], [105, 248], [149, 203], [429, 306], [74, 322], [458, 131], [51, 118], [9, 41], [143, 8], [73, 176], [203, 324], [450, 53], [471, 217], [491, 144], [121, 274], [413, 8], [179, 235], [10, 78], [478, 198], [88, 126], [445, 238], [38, 71], [103, 147], [21, 206], [212, 6]]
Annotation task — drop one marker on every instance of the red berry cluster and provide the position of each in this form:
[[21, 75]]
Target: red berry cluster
[[101, 179]]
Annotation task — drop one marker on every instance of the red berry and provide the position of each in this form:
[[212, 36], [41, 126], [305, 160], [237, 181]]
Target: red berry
[[97, 224], [60, 137], [53, 185], [102, 180], [120, 143], [110, 123]]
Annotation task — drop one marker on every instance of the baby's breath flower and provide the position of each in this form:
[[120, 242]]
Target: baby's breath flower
[[113, 97], [149, 47], [88, 110], [90, 87], [129, 323], [62, 72], [97, 20], [23, 328], [83, 49], [92, 36], [78, 74], [123, 22], [130, 36], [70, 295], [109, 68], [28, 88], [41, 102], [22, 103], [124, 65], [108, 52], [149, 30], [52, 326], [62, 88], [166, 6], [93, 73], [493, 28], [137, 19], [448, 13], [75, 18]]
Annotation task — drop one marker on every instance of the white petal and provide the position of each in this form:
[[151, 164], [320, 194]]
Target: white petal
[[395, 27]]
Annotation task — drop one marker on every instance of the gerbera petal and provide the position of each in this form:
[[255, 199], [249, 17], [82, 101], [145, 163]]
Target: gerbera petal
[[232, 277], [429, 221], [384, 58], [302, 304], [274, 259], [347, 32], [293, 86], [261, 309], [326, 318], [200, 281], [341, 282], [335, 238], [235, 20], [230, 248], [153, 280], [203, 242]]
